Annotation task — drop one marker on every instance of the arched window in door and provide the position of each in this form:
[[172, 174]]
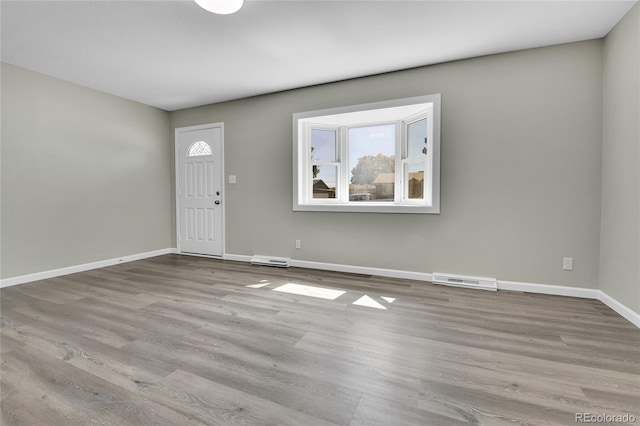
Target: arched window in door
[[199, 148]]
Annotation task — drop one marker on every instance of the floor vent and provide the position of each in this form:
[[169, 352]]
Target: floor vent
[[465, 281], [280, 262]]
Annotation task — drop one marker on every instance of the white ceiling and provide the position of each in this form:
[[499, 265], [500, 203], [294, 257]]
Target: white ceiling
[[173, 54]]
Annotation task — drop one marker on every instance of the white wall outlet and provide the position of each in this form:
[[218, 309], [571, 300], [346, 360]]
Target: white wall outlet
[[298, 244], [232, 179], [567, 263]]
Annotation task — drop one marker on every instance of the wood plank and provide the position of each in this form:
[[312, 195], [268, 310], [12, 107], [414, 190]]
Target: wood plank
[[212, 403], [376, 410], [52, 392]]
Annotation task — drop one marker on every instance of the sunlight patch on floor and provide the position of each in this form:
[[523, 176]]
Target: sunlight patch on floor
[[260, 285], [368, 302], [307, 290], [325, 293]]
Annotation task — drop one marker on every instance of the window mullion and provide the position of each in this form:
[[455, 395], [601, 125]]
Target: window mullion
[[344, 164], [307, 175], [428, 167], [399, 190]]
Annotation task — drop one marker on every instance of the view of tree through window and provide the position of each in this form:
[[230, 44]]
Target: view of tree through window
[[372, 163]]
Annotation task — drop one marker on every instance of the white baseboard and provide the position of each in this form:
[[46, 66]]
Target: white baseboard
[[587, 293], [337, 267], [630, 315], [392, 273], [22, 279], [557, 290], [237, 257]]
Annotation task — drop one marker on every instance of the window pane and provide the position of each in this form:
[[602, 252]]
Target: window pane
[[372, 163], [417, 138], [323, 145], [324, 181], [414, 178]]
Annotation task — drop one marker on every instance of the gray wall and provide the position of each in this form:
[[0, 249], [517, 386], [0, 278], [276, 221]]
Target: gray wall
[[620, 239], [521, 171], [85, 175]]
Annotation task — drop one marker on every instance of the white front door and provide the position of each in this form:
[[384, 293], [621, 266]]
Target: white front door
[[199, 178]]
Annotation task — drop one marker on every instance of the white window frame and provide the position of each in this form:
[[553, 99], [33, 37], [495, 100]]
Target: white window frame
[[302, 164], [427, 160], [308, 163]]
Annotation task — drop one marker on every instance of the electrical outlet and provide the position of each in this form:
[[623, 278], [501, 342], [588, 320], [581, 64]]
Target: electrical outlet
[[298, 244], [567, 263]]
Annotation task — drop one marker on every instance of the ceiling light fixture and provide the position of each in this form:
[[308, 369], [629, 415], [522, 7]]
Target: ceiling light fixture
[[221, 7]]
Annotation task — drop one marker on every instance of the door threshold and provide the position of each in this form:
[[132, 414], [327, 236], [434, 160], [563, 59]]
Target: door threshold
[[210, 256]]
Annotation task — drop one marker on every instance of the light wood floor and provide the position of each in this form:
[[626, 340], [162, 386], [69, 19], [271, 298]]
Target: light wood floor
[[178, 340]]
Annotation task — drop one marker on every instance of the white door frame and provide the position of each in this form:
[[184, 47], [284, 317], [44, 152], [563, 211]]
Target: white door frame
[[177, 182]]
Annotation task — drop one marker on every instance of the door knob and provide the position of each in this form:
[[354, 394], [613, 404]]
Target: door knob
[[217, 201]]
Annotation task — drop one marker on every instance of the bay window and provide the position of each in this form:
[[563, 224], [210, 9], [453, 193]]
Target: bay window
[[382, 157]]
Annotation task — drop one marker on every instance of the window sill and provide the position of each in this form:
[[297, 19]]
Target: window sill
[[368, 208]]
